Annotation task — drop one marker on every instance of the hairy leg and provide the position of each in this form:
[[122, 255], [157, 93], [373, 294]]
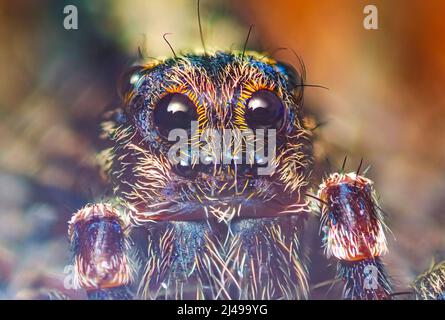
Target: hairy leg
[[245, 259], [430, 285], [99, 239], [353, 232]]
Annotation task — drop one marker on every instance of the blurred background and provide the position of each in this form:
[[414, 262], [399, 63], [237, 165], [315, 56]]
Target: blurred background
[[385, 103]]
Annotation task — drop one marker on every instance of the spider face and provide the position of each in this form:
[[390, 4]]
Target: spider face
[[256, 100]]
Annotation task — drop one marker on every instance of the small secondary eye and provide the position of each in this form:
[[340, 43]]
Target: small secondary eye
[[129, 79], [265, 110], [174, 111]]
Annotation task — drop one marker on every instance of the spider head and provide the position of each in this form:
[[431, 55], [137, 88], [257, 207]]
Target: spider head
[[218, 135]]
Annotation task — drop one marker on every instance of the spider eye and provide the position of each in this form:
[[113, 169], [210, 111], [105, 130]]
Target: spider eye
[[174, 111], [128, 80], [265, 110]]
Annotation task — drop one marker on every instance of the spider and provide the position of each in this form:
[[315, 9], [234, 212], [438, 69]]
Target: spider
[[220, 230]]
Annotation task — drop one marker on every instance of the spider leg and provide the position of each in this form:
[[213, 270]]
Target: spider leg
[[99, 239], [430, 285], [354, 233]]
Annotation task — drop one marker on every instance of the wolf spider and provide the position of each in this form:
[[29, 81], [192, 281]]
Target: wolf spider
[[221, 231]]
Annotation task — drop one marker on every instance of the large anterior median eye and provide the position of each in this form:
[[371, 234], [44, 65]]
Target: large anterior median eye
[[264, 110], [174, 111]]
